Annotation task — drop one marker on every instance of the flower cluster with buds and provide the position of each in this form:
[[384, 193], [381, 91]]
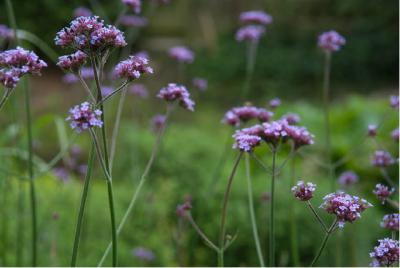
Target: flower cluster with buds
[[245, 142], [157, 122], [395, 134], [243, 114], [383, 192], [255, 28], [72, 62], [386, 253], [291, 118], [331, 41], [183, 208], [394, 101], [135, 5], [181, 54], [382, 159], [200, 83], [174, 92], [144, 254], [82, 12], [275, 103], [83, 117], [372, 130], [5, 32], [251, 33], [255, 17], [133, 67], [15, 63], [139, 90], [391, 222], [90, 34], [304, 191], [347, 208], [134, 21], [348, 178]]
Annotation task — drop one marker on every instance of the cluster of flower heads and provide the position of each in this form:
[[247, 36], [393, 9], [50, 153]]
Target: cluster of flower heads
[[83, 117], [275, 103], [331, 41], [238, 115], [174, 92], [157, 122], [134, 5], [347, 208], [291, 118], [245, 142], [72, 62], [5, 32], [181, 209], [394, 101], [90, 34], [139, 90], [391, 222], [134, 21], [383, 192], [386, 253], [372, 130], [395, 134], [144, 254], [15, 63], [133, 67], [255, 28], [200, 83], [181, 54], [304, 191], [86, 73], [348, 178], [382, 159], [82, 12]]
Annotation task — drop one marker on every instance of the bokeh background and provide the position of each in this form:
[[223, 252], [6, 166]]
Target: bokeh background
[[289, 66]]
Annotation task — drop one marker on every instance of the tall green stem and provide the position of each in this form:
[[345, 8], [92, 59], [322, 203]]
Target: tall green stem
[[321, 248], [223, 212], [294, 248], [272, 213], [252, 214], [20, 226], [250, 63], [82, 206]]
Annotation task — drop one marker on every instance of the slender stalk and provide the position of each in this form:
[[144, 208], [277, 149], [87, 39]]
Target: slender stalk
[[387, 177], [261, 163], [327, 235], [20, 229], [82, 206], [292, 220], [86, 87], [252, 213], [321, 222], [224, 210], [5, 97], [141, 183], [250, 63], [272, 214], [121, 87], [201, 233]]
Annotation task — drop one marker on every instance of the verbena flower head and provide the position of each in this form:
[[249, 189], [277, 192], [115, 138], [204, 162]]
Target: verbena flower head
[[395, 134], [245, 142], [72, 62], [275, 131], [181, 54], [275, 103], [90, 34], [15, 63], [5, 32], [255, 17], [139, 90], [304, 191], [144, 254], [348, 178], [134, 21], [345, 207], [391, 222], [372, 130], [82, 12], [386, 253], [291, 118], [61, 174], [133, 67], [382, 159], [383, 192], [243, 114], [157, 122], [299, 135], [83, 116], [250, 33], [394, 101], [200, 83], [183, 208], [331, 41], [135, 5], [174, 92]]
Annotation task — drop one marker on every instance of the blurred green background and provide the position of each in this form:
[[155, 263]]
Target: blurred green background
[[289, 66]]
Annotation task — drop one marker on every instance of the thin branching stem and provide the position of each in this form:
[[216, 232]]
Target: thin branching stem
[[321, 222], [272, 212], [86, 87], [261, 163], [121, 87], [5, 97], [327, 235], [209, 243]]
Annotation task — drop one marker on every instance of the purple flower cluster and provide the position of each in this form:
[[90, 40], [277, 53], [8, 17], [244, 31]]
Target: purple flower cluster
[[291, 118], [238, 115], [347, 208], [394, 101], [139, 90], [82, 12], [173, 92], [135, 5], [90, 34], [133, 67], [251, 33], [83, 116], [275, 103], [331, 41], [62, 174], [303, 191], [200, 83], [395, 134], [348, 178], [372, 130], [144, 254], [72, 62], [181, 54], [383, 192], [382, 159], [386, 253], [15, 63], [255, 17], [5, 32], [245, 142], [391, 222], [134, 21], [157, 122], [183, 208]]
